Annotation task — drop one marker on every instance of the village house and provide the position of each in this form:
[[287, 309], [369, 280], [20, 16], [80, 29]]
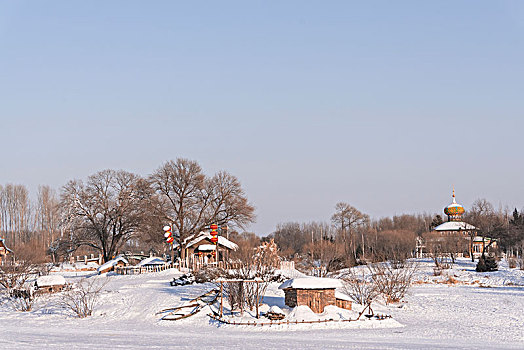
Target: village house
[[315, 293], [201, 250], [3, 250]]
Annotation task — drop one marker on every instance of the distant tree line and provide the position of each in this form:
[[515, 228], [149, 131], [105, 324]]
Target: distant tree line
[[115, 210], [352, 237]]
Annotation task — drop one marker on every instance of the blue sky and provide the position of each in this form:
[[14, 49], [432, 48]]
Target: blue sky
[[382, 104]]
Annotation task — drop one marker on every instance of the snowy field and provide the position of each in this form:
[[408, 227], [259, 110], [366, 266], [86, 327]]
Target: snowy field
[[480, 311]]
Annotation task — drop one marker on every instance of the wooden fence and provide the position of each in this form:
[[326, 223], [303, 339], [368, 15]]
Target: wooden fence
[[217, 317], [288, 322], [137, 270]]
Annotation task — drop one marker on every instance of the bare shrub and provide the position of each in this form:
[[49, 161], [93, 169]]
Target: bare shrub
[[360, 289], [15, 275], [392, 283], [521, 263], [512, 263], [82, 299], [255, 263], [23, 299]]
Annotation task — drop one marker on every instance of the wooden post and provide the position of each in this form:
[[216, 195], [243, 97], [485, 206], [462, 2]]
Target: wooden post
[[221, 297], [256, 300], [241, 299]]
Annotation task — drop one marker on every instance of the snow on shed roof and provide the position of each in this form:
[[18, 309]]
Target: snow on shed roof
[[342, 296], [311, 283], [50, 280], [223, 241], [154, 260], [454, 226], [112, 263]]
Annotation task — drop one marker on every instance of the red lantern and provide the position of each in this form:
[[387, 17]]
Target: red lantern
[[213, 227], [213, 233], [170, 240], [214, 239], [199, 253]]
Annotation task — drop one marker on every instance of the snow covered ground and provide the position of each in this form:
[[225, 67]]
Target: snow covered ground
[[466, 315]]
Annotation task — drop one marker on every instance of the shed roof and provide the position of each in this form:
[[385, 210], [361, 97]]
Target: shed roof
[[50, 280], [311, 283], [154, 260], [342, 296], [112, 263]]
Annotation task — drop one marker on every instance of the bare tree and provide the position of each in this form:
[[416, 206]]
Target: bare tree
[[347, 219], [47, 215], [106, 211], [83, 297], [488, 222], [359, 287], [15, 213], [390, 282], [393, 245], [191, 201]]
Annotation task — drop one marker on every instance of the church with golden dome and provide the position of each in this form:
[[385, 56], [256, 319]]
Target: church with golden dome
[[457, 227], [454, 211]]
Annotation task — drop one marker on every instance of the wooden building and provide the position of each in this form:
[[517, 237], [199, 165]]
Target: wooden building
[[314, 292], [199, 249], [461, 230], [50, 283], [119, 261], [3, 250]]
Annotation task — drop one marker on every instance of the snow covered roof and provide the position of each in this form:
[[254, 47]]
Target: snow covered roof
[[223, 241], [206, 247], [342, 296], [311, 283], [154, 260], [2, 241], [50, 280], [112, 263], [454, 226]]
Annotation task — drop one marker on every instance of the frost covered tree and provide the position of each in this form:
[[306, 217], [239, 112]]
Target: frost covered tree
[[191, 200], [105, 211]]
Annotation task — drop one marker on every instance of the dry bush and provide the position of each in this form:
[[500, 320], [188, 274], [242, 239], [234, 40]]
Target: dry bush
[[392, 283], [358, 288], [255, 263], [512, 263], [82, 299], [23, 299], [520, 262]]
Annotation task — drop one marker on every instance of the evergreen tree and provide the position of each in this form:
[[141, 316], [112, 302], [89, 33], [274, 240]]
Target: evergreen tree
[[436, 221], [487, 264]]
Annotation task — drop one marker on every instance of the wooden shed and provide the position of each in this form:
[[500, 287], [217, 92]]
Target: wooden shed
[[119, 261], [50, 283], [314, 292], [343, 301]]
